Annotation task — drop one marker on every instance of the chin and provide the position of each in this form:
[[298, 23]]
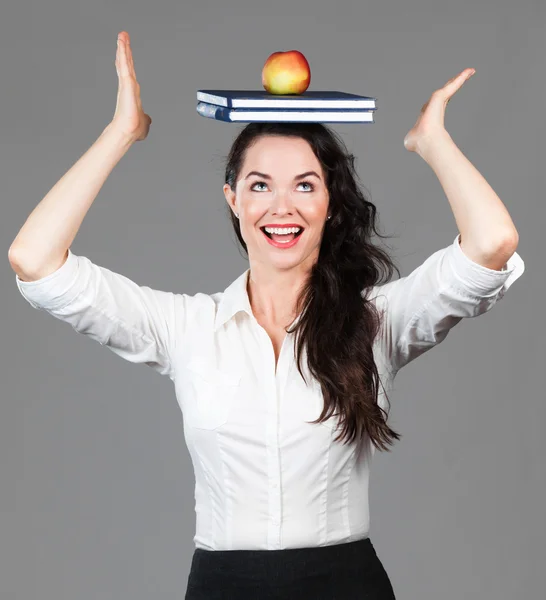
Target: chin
[[285, 263], [281, 262]]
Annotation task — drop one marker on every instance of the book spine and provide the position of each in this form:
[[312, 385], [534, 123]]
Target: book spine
[[213, 111], [212, 99], [220, 113]]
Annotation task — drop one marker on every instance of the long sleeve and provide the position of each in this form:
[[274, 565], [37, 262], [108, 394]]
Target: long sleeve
[[135, 322], [422, 307]]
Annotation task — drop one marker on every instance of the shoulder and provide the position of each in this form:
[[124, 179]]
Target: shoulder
[[200, 306]]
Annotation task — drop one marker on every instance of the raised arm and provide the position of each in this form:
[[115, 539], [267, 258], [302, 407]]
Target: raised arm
[[136, 322], [41, 246], [468, 277], [488, 235]]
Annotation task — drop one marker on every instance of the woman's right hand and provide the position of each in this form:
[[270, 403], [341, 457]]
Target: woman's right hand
[[129, 117]]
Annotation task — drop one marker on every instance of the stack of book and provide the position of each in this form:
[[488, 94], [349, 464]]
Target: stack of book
[[246, 106]]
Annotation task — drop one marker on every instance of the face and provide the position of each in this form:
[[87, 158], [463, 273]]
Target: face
[[278, 197]]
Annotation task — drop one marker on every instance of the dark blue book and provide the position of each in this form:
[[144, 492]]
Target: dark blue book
[[309, 99], [240, 115]]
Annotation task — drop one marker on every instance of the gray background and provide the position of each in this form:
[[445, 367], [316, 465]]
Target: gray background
[[96, 498]]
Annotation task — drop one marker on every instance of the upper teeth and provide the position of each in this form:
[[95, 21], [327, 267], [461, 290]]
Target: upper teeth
[[281, 231]]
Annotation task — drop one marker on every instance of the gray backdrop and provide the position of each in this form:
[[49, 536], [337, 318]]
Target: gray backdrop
[[97, 487]]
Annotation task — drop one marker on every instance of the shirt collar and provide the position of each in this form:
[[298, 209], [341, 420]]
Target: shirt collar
[[234, 299]]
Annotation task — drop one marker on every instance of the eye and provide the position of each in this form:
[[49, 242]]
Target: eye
[[309, 184], [300, 183]]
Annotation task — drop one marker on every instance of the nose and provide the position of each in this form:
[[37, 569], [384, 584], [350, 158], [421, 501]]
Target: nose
[[281, 204]]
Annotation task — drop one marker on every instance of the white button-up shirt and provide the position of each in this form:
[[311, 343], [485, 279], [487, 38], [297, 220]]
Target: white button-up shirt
[[265, 478]]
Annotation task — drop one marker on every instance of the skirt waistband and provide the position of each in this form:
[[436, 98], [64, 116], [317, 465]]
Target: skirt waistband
[[347, 570], [342, 554]]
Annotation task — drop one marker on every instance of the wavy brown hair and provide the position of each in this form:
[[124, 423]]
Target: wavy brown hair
[[337, 324]]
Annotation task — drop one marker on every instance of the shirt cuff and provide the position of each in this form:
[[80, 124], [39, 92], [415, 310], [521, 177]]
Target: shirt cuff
[[482, 281], [53, 290]]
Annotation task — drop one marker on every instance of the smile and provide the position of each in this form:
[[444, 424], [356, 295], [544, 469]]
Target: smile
[[277, 239]]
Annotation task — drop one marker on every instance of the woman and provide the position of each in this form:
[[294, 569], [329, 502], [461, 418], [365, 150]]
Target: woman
[[283, 377]]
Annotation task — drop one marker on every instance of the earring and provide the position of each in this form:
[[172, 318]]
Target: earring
[[237, 215], [329, 217]]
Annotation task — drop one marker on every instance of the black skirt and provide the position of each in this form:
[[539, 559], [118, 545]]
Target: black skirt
[[349, 571]]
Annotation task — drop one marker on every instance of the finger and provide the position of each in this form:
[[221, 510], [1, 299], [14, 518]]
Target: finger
[[122, 63], [454, 84], [449, 90], [129, 52], [457, 77]]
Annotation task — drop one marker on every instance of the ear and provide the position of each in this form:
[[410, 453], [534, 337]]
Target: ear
[[230, 197]]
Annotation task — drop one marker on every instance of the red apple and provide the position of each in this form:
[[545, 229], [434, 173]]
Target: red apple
[[286, 73]]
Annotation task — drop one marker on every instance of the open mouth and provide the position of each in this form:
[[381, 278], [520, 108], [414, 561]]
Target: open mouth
[[282, 237]]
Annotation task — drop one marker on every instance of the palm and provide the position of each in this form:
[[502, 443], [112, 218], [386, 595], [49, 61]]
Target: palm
[[431, 118], [129, 116]]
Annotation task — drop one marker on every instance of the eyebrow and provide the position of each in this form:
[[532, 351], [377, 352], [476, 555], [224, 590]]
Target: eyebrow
[[266, 176]]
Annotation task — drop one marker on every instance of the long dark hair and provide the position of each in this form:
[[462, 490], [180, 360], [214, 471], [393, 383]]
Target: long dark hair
[[337, 324]]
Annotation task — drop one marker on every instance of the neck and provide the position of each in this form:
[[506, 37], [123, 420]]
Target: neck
[[273, 293]]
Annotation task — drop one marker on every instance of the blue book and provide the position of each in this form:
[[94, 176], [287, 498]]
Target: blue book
[[239, 115], [309, 99]]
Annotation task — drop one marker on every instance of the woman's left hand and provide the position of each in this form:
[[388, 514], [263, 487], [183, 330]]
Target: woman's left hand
[[430, 123]]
